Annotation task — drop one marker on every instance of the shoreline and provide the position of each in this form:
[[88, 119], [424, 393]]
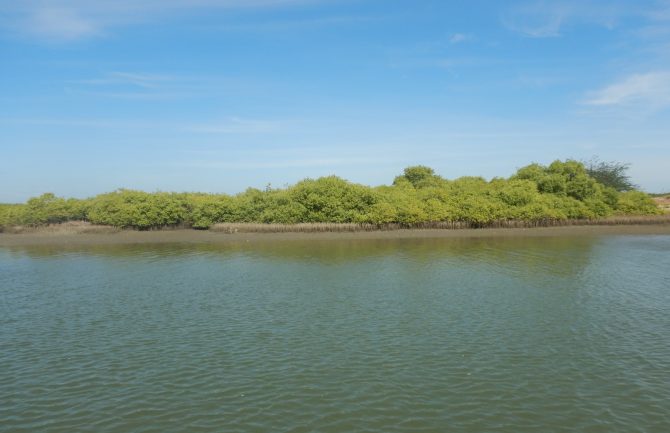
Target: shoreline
[[189, 236]]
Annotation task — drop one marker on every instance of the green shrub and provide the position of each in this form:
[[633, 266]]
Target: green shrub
[[516, 192], [138, 209], [562, 190], [332, 199], [11, 215], [637, 203], [207, 210], [419, 176]]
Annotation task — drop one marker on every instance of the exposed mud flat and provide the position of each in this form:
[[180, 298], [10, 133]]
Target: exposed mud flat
[[65, 237]]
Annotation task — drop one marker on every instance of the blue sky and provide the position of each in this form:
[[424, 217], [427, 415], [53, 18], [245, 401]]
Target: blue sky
[[218, 95]]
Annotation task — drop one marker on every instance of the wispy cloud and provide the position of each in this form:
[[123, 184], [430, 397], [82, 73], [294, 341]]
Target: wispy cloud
[[282, 25], [229, 125], [235, 125], [68, 20], [62, 23], [152, 86], [661, 12], [283, 163], [74, 122], [537, 20], [543, 19], [655, 28], [650, 91], [458, 38], [139, 80]]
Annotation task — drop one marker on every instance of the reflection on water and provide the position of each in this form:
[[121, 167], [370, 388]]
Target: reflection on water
[[499, 334], [557, 254]]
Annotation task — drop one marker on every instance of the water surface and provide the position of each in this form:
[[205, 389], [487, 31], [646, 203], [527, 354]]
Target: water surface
[[462, 335]]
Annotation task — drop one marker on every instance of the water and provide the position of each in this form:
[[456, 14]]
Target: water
[[460, 335]]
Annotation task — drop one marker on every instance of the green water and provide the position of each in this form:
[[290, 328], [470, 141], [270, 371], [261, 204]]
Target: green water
[[452, 335]]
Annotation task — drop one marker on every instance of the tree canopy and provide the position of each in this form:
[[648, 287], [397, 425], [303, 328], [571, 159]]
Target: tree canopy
[[562, 190], [611, 174]]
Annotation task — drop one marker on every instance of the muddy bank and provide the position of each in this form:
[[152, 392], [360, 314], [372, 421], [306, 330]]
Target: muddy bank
[[131, 237]]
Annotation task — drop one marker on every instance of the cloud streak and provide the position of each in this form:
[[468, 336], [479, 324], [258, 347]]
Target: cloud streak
[[458, 38], [65, 24], [70, 20], [236, 125], [537, 20], [650, 90], [157, 86], [545, 19], [285, 163], [129, 78]]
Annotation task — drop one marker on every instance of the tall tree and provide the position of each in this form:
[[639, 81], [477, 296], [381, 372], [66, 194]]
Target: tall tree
[[612, 174]]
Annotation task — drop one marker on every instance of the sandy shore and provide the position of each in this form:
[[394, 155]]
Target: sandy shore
[[130, 237]]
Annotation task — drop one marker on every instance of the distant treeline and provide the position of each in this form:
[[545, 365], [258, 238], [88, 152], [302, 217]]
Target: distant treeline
[[560, 191]]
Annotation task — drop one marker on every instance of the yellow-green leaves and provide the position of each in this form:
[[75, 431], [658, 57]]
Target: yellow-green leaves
[[563, 190]]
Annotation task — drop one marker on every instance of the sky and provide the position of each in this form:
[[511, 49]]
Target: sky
[[221, 95]]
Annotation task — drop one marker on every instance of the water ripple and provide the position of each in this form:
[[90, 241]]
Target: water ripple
[[495, 335]]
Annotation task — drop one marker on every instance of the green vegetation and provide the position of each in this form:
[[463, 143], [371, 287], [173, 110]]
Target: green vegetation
[[562, 191], [611, 174]]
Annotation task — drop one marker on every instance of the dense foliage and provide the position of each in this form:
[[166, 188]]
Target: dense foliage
[[563, 190]]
